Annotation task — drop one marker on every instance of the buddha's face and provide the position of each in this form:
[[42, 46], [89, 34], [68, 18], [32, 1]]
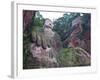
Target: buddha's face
[[48, 24]]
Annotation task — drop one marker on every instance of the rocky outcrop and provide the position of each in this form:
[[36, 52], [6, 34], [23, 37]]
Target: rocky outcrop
[[27, 18], [80, 45], [77, 31]]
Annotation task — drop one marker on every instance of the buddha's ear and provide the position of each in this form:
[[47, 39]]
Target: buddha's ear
[[43, 42], [33, 36], [38, 39]]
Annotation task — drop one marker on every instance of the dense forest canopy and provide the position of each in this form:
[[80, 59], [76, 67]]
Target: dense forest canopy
[[63, 24]]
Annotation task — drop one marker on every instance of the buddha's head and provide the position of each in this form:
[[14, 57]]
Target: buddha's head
[[48, 24]]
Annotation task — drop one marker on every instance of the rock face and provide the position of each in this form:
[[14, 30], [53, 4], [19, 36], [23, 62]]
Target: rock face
[[77, 29], [81, 46], [45, 46], [27, 18]]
